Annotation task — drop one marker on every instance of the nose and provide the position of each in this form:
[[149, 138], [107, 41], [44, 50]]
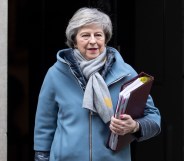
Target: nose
[[92, 39]]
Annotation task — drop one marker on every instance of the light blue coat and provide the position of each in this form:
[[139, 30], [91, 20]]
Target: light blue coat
[[72, 133]]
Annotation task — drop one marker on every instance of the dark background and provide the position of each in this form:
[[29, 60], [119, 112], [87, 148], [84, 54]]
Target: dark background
[[148, 35]]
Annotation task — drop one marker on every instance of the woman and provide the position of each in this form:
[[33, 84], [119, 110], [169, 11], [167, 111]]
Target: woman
[[79, 94]]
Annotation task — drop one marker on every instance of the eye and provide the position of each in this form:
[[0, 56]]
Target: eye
[[99, 35], [85, 35]]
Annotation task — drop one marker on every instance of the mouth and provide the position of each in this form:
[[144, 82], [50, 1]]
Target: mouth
[[92, 48]]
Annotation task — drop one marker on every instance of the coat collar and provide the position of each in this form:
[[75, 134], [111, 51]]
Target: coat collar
[[115, 68]]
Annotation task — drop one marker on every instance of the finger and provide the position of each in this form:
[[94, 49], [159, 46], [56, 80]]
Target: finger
[[115, 125], [116, 121], [114, 129], [125, 117]]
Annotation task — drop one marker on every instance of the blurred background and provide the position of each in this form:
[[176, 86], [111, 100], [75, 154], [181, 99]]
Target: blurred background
[[148, 34]]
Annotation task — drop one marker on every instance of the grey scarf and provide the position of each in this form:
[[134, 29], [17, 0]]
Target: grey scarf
[[96, 96]]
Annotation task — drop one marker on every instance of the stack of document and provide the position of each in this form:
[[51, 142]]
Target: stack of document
[[132, 101], [125, 94]]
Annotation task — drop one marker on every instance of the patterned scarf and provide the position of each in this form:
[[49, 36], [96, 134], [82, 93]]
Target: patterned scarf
[[96, 96]]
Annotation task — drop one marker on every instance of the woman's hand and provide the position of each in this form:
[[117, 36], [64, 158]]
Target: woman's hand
[[123, 125]]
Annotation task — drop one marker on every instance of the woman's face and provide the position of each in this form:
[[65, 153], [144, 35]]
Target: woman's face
[[90, 41]]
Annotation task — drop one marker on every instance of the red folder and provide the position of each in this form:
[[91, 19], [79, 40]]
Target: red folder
[[135, 107]]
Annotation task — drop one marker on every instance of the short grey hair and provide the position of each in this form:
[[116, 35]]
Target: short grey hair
[[85, 16]]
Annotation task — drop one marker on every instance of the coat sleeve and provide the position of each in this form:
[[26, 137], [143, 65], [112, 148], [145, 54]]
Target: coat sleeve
[[150, 124], [46, 115], [41, 156]]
